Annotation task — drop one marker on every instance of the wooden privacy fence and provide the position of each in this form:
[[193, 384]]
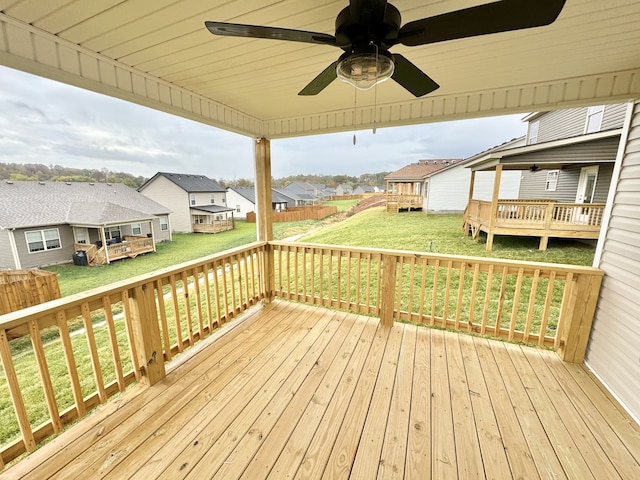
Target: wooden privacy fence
[[23, 288], [545, 304], [111, 337], [294, 214]]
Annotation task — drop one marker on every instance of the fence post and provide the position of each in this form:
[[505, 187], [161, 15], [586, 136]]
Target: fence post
[[577, 317], [146, 333], [387, 295]]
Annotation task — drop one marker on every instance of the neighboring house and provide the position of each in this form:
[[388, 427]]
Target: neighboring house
[[243, 200], [344, 189], [567, 162], [439, 185], [198, 203], [361, 189], [46, 223], [304, 193]]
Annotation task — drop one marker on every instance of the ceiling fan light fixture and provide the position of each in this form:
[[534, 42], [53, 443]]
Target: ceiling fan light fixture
[[364, 70]]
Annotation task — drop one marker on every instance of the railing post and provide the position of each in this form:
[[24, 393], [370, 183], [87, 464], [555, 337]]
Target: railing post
[[146, 333], [387, 295], [548, 218], [577, 317]]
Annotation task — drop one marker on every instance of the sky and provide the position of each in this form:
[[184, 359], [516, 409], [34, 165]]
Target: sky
[[46, 122]]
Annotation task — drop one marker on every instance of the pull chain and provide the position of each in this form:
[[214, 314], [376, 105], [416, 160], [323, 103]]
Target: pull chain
[[355, 111], [375, 92]]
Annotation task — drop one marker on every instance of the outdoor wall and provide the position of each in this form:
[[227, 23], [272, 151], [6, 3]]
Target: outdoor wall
[[234, 199], [614, 348], [167, 193], [6, 254], [571, 122], [448, 191], [47, 257], [532, 184]]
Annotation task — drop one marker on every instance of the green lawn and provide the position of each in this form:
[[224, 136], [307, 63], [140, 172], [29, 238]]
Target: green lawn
[[343, 205], [417, 231]]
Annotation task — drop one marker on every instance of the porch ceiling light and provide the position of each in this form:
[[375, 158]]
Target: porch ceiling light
[[364, 70]]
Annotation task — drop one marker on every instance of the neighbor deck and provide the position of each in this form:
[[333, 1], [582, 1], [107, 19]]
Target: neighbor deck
[[300, 391]]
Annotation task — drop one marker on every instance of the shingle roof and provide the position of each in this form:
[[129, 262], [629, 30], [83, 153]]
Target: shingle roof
[[188, 182], [31, 204], [422, 169], [250, 194]]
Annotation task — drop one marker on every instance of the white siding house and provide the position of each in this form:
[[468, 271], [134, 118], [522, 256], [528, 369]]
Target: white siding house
[[614, 347]]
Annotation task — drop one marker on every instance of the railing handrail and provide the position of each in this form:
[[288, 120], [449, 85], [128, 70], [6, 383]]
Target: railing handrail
[[14, 319], [564, 268]]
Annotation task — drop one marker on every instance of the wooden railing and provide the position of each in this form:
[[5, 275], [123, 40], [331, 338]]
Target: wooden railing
[[401, 201], [215, 227], [538, 303], [130, 248], [109, 338], [116, 335], [538, 213]]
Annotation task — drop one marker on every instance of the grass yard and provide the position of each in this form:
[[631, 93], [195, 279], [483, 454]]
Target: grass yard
[[343, 205], [417, 231]]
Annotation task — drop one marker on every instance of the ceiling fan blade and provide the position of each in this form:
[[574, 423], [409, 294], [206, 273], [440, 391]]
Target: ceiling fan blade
[[322, 81], [495, 17], [274, 33], [411, 77]]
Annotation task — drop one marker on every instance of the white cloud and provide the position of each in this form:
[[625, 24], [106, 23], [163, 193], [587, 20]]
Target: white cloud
[[46, 122]]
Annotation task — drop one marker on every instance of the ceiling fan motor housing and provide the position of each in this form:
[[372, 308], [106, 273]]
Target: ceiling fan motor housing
[[356, 34]]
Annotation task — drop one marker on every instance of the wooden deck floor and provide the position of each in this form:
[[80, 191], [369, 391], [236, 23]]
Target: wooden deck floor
[[298, 391]]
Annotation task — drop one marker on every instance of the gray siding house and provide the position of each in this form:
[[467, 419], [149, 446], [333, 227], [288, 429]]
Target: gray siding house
[[45, 223], [197, 202], [243, 200]]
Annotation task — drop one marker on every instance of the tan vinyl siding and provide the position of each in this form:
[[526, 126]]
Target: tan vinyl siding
[[571, 122], [614, 347], [167, 193]]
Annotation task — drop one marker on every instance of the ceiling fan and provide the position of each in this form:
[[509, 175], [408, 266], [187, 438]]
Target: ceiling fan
[[367, 29]]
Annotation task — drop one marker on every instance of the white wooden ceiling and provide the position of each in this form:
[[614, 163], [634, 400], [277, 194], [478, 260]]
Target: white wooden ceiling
[[159, 54]]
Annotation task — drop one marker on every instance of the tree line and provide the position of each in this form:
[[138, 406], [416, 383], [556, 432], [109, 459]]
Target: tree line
[[56, 173]]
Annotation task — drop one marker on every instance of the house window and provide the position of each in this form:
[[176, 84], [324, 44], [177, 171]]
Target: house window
[[533, 132], [213, 198], [113, 233], [41, 240], [164, 223], [552, 180], [237, 208], [192, 198], [594, 119], [136, 229]]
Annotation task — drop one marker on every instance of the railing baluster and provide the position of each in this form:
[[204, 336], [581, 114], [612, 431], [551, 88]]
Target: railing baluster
[[207, 295], [93, 352], [67, 348], [547, 305], [16, 393], [445, 312], [399, 285], [196, 292], [503, 289], [516, 303], [474, 290], [434, 295], [113, 342], [412, 271], [487, 300], [45, 377], [176, 312], [532, 304], [232, 283], [216, 289], [187, 306], [130, 337], [461, 282]]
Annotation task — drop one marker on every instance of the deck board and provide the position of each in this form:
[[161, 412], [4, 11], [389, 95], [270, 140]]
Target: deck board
[[299, 391]]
